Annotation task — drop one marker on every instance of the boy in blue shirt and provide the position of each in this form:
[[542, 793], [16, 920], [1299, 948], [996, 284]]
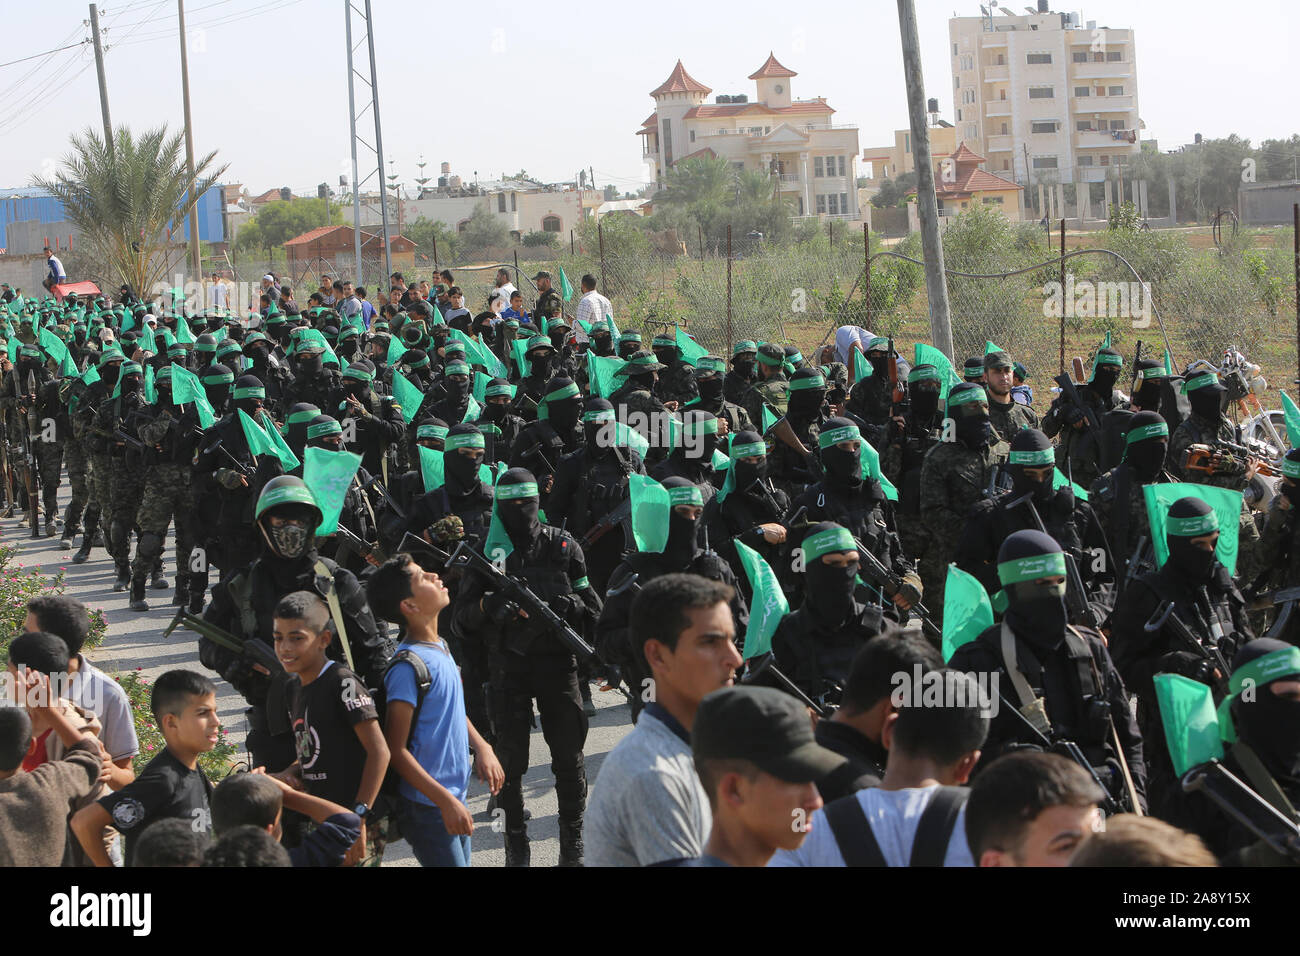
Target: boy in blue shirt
[[517, 310], [429, 735]]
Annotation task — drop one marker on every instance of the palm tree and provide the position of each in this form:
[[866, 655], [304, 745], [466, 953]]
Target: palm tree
[[123, 197]]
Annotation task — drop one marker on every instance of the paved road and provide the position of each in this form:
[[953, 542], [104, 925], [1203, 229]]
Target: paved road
[[135, 641]]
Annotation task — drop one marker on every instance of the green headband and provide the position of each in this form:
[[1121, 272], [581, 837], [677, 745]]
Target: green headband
[[1265, 669], [702, 426], [463, 440], [494, 390], [360, 374], [712, 364], [218, 378], [539, 341], [1032, 568], [249, 391], [923, 373], [569, 391], [879, 343], [1104, 359], [686, 495], [1154, 430], [807, 382], [665, 340], [1156, 372], [432, 431], [770, 360], [627, 337], [1204, 380], [422, 363], [30, 351], [524, 489], [966, 395], [1039, 456], [1291, 469], [303, 416], [131, 368], [641, 360], [750, 450], [324, 428], [827, 542], [836, 435], [1192, 527], [745, 346], [456, 368], [600, 415], [795, 358]]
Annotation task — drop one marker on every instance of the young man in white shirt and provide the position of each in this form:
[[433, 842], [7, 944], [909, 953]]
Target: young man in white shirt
[[593, 306], [916, 817], [504, 286], [648, 807]]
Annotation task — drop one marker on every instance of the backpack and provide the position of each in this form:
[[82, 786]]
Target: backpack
[[388, 790], [852, 830]]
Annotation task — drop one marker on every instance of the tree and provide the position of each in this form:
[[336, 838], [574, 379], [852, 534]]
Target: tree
[[123, 196], [539, 237], [893, 192], [484, 231], [279, 221], [424, 231]]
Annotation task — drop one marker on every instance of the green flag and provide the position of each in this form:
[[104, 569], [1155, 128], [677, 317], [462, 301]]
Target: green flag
[[524, 367], [407, 395], [187, 388], [150, 392], [479, 389], [929, 355], [601, 374], [1169, 363], [770, 418], [328, 474], [767, 605], [720, 461], [14, 346], [566, 289], [990, 347], [184, 334], [1191, 723], [966, 610], [651, 508], [260, 443], [219, 335], [870, 460], [1226, 505], [473, 411], [282, 449], [630, 438], [90, 376], [691, 350], [1060, 481], [477, 353], [431, 469], [53, 346], [148, 340], [861, 367], [1292, 415], [395, 350]]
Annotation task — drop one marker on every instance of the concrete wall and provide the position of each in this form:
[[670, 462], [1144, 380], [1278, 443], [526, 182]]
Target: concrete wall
[[1267, 204]]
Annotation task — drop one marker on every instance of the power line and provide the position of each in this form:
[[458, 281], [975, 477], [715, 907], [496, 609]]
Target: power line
[[34, 56], [217, 22]]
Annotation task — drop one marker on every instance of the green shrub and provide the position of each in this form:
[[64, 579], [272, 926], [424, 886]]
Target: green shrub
[[18, 585]]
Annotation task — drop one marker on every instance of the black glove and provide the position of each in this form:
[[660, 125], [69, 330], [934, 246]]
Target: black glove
[[1188, 665], [1071, 413], [499, 608]]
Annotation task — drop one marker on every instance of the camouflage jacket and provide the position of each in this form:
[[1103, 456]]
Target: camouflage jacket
[[1199, 431], [774, 392], [734, 387], [677, 383], [1011, 418], [901, 462], [872, 399], [953, 478], [1077, 449]]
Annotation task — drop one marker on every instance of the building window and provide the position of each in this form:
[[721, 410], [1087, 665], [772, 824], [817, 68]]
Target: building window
[[501, 202], [1035, 58], [844, 203], [800, 198], [1114, 56], [1079, 57], [550, 223], [817, 166], [1115, 91], [1083, 161], [1004, 129], [954, 49], [692, 135], [668, 143], [738, 165], [1083, 125], [1002, 95], [1117, 124], [1041, 93], [956, 82], [1044, 162], [833, 204], [460, 226], [907, 142], [821, 204], [1006, 164], [842, 166], [993, 200], [959, 116], [513, 202], [972, 132], [1105, 160], [1043, 126], [1083, 91], [1002, 60]]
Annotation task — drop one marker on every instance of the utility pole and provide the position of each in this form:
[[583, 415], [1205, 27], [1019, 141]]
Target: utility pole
[[352, 114], [379, 141], [936, 288], [195, 262], [103, 83]]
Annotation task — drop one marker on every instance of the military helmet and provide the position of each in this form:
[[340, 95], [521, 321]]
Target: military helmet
[[286, 490]]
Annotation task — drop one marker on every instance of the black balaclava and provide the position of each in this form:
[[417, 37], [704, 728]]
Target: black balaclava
[[1268, 723], [461, 471], [974, 430], [710, 390], [1146, 456], [1149, 389], [300, 416], [1194, 565], [744, 365], [1292, 491], [348, 349], [747, 474], [1207, 401], [557, 335], [495, 412], [1030, 448], [806, 403], [249, 406], [563, 415], [665, 354], [1035, 612], [309, 364], [132, 382], [519, 516], [843, 468], [1105, 374], [683, 533], [924, 396], [541, 363], [597, 434], [329, 439], [27, 363], [699, 456], [602, 343], [109, 372], [458, 392], [218, 394], [484, 329], [879, 363], [628, 347], [417, 367], [828, 591]]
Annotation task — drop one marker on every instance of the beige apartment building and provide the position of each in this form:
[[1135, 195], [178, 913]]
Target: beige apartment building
[[1047, 99], [795, 140], [889, 162]]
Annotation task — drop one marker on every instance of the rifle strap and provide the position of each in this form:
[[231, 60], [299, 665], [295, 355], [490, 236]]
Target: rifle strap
[[1121, 505], [365, 499], [1263, 781], [852, 831], [1028, 699], [934, 831], [240, 589], [332, 599], [1084, 662]]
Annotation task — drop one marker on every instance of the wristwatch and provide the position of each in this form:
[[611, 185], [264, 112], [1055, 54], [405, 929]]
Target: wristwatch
[[361, 810]]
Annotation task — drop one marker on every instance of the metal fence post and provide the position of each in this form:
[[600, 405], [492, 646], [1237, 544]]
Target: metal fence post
[[1062, 371], [1295, 242], [729, 338], [435, 251], [600, 239], [516, 270], [571, 252], [866, 268]]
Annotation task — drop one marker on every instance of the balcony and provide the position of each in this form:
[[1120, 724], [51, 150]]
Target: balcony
[[1098, 138], [1000, 144], [1119, 69], [789, 182], [648, 152], [1101, 104], [1000, 73], [998, 108], [995, 39]]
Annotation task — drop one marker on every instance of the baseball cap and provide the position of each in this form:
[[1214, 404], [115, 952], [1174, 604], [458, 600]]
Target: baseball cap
[[997, 359], [542, 275], [765, 727]]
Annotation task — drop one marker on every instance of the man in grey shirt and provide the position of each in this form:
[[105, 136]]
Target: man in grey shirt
[[647, 807]]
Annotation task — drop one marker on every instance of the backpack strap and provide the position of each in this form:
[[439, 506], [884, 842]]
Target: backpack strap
[[423, 681], [934, 832], [852, 831]]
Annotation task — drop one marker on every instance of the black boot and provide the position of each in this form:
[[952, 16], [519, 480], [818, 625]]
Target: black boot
[[123, 575], [182, 595], [138, 603], [83, 553], [157, 581], [50, 528], [69, 533], [571, 842], [196, 598], [517, 852]]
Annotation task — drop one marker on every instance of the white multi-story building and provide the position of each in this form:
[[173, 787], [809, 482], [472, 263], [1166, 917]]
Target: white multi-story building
[[794, 140], [1045, 98]]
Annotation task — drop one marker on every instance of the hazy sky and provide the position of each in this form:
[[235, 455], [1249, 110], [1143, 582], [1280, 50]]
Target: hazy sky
[[495, 86]]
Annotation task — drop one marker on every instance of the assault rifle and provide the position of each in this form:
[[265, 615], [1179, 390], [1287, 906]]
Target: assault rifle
[[1076, 595], [1246, 807], [1164, 615], [621, 515], [1071, 395], [465, 557], [356, 543], [762, 671], [255, 649]]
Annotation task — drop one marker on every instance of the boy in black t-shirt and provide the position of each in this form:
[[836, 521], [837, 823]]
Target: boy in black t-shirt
[[342, 755], [184, 706]]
